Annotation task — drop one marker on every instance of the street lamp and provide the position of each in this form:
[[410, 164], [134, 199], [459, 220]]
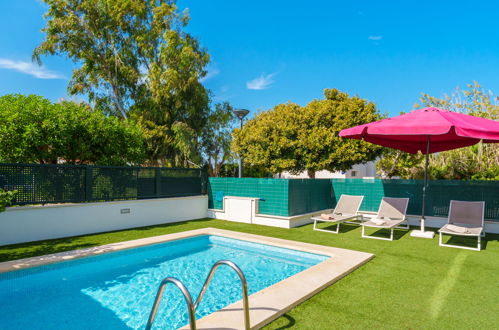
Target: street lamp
[[240, 113]]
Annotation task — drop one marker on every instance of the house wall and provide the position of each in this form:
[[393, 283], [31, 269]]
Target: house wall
[[33, 223], [367, 170]]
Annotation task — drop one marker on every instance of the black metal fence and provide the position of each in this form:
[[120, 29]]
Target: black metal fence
[[42, 184]]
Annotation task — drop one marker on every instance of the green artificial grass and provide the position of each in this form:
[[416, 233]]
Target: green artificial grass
[[412, 283]]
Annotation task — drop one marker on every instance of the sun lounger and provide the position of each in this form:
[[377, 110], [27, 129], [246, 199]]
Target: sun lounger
[[391, 214], [465, 219], [346, 210]]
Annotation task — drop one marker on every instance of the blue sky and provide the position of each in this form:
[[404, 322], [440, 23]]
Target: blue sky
[[269, 52]]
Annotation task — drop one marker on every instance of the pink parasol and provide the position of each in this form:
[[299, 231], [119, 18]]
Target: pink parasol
[[426, 130]]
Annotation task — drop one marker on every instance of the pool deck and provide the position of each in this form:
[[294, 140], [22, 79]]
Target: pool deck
[[265, 305]]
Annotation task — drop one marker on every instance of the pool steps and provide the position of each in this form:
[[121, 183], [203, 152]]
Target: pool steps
[[188, 298]]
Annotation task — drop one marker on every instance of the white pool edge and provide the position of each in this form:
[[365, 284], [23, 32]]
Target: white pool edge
[[265, 305]]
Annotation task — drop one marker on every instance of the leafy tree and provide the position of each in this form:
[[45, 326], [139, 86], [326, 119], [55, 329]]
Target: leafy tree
[[478, 162], [134, 58], [249, 171], [400, 164], [216, 138], [296, 139], [33, 130], [6, 198], [474, 100]]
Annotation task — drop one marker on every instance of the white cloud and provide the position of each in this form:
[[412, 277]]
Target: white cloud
[[211, 73], [32, 69], [262, 82], [223, 94], [375, 38]]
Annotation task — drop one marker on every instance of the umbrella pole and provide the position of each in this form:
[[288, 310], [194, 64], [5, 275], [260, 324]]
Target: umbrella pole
[[422, 232], [425, 184]]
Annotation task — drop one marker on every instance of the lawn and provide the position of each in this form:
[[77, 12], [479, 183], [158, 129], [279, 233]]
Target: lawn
[[412, 283]]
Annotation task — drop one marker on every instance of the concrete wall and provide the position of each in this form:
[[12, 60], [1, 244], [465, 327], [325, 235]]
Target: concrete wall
[[33, 223]]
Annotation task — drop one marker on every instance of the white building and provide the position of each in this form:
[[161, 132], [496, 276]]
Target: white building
[[367, 170]]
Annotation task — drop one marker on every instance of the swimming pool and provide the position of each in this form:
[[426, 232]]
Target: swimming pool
[[116, 290]]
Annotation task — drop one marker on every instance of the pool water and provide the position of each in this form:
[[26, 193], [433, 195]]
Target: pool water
[[117, 290]]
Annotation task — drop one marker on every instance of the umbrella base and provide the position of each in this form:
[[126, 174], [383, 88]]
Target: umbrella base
[[422, 234]]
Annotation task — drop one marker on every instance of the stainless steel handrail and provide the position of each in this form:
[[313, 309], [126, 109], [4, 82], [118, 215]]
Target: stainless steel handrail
[[243, 282], [192, 307], [188, 300]]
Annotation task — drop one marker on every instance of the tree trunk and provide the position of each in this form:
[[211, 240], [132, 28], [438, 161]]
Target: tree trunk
[[311, 174]]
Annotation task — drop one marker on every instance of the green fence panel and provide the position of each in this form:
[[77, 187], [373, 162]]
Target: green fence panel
[[309, 195], [114, 183], [442, 192], [180, 182], [273, 193], [374, 190], [47, 183], [146, 183], [289, 197], [43, 183]]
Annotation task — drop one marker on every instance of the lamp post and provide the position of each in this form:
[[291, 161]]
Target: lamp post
[[240, 113]]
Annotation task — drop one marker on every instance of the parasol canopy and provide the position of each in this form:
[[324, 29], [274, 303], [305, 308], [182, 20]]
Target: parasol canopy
[[426, 130]]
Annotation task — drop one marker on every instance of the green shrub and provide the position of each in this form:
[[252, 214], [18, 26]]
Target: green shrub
[[6, 198]]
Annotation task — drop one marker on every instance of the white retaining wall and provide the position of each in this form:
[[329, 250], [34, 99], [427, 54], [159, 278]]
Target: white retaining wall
[[34, 223]]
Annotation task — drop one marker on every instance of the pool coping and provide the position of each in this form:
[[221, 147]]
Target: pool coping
[[265, 305]]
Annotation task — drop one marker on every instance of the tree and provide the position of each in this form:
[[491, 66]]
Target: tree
[[134, 59], [33, 130], [216, 138], [296, 139], [478, 162], [6, 198], [231, 170], [400, 164]]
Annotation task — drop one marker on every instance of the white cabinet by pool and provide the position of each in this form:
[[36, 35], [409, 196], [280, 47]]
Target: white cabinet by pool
[[245, 209]]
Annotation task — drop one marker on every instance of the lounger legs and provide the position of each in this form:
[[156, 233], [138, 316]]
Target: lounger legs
[[377, 237], [383, 238], [327, 231], [478, 248]]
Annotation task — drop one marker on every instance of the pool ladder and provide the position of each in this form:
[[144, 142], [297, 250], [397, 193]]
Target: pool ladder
[[187, 296]]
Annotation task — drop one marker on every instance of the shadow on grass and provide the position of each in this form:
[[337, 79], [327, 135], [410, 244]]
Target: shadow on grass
[[489, 238], [291, 322], [344, 227], [469, 241], [38, 248], [27, 250], [385, 233]]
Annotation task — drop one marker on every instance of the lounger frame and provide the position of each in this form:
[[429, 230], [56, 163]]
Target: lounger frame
[[478, 236], [392, 227], [337, 222], [346, 219], [406, 226]]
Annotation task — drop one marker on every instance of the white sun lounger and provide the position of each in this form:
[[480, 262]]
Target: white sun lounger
[[465, 219], [346, 210], [391, 214]]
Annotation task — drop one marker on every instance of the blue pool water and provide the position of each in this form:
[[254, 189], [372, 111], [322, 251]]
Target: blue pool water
[[116, 290]]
